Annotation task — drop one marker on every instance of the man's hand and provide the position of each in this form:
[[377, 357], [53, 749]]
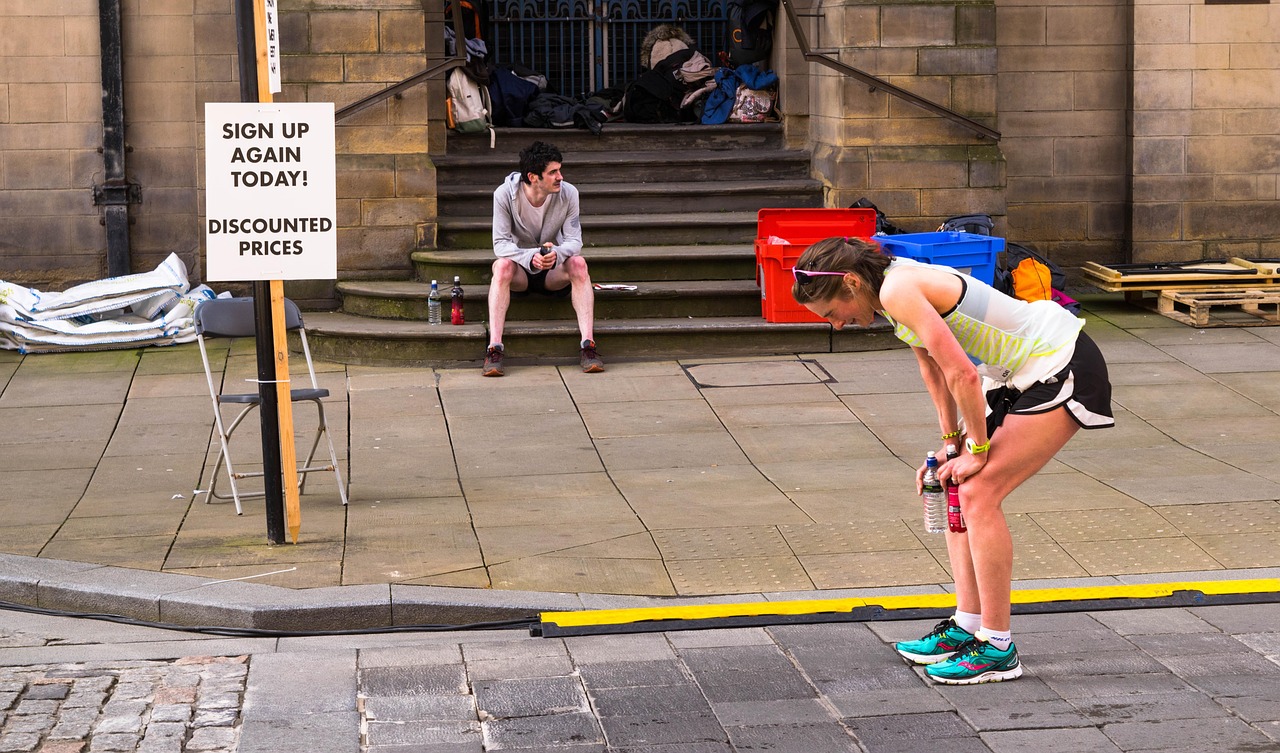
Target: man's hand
[[545, 258]]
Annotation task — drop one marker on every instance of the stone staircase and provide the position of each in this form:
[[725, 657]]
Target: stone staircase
[[669, 209]]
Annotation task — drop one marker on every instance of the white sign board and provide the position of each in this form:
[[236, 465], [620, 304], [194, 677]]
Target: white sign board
[[273, 44], [270, 191]]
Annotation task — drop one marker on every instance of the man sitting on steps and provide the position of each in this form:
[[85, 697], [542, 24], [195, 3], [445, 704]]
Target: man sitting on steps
[[538, 240]]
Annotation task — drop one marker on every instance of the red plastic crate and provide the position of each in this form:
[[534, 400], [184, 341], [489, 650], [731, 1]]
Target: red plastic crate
[[801, 228]]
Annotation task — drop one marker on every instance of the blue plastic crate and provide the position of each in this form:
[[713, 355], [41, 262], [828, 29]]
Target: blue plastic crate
[[967, 252]]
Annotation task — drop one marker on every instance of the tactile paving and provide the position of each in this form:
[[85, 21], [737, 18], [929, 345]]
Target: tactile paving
[[1241, 549], [721, 543], [874, 569], [841, 538], [738, 575], [1133, 556], [1225, 517], [1105, 524]]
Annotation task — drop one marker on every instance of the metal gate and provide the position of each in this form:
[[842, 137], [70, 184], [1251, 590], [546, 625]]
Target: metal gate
[[582, 46]]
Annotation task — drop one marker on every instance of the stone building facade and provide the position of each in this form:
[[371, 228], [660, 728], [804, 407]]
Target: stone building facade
[[1141, 131]]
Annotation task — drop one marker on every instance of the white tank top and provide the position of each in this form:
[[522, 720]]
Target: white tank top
[[1011, 341]]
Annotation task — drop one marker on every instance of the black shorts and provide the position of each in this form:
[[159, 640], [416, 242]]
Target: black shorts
[[1083, 388], [538, 284]]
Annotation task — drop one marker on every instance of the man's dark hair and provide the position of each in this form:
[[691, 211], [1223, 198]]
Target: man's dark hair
[[535, 158]]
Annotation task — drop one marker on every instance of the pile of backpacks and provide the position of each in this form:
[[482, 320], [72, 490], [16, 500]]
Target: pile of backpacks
[[677, 82]]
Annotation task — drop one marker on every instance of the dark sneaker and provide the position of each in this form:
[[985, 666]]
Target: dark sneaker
[[590, 360], [940, 644], [977, 661], [493, 361]]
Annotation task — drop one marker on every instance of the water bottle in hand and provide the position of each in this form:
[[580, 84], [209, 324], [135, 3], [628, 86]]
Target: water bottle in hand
[[935, 499]]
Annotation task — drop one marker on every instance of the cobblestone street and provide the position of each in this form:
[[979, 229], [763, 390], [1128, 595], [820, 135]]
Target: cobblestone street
[[187, 704]]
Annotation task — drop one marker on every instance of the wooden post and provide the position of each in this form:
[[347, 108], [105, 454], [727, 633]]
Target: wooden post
[[284, 396]]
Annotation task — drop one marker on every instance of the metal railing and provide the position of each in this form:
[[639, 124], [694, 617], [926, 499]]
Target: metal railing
[[879, 84]]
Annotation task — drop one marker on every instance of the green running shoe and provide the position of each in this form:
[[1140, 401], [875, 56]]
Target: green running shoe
[[939, 645], [975, 662]]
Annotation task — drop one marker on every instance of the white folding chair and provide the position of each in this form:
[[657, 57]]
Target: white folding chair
[[233, 317]]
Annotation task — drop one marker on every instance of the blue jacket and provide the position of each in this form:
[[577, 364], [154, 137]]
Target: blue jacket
[[720, 100]]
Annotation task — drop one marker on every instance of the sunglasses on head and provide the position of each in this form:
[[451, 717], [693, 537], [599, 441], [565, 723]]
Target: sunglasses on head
[[805, 277]]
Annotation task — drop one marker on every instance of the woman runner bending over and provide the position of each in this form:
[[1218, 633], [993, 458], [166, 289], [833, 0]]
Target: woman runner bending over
[[1012, 381]]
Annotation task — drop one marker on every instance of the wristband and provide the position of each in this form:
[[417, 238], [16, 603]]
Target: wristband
[[951, 435], [976, 449]]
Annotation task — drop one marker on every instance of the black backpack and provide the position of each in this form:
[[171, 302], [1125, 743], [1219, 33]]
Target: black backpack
[[978, 224], [750, 30], [883, 225]]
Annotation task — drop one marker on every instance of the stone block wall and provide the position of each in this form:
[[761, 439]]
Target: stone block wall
[[177, 56], [1063, 102], [50, 131], [916, 167], [1206, 147]]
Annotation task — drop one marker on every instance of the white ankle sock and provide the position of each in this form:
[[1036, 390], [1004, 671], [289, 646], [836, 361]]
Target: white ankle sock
[[967, 621], [1001, 639]]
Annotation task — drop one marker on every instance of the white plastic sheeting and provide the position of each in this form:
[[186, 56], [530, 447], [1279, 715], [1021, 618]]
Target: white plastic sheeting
[[150, 308]]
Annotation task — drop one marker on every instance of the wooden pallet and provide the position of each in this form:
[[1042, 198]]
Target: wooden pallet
[[1221, 308], [1233, 272]]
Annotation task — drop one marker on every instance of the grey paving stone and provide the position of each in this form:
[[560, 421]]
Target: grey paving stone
[[677, 748], [112, 723], [1267, 644], [1252, 698], [633, 674], [1070, 642], [113, 590], [746, 673], [331, 732], [504, 699], [444, 679], [1092, 663], [423, 733], [404, 656], [1153, 621], [1026, 689], [813, 738], [519, 667], [215, 717], [508, 650], [49, 691], [845, 672], [19, 575], [19, 742], [1091, 686], [1241, 618], [289, 684], [1148, 708], [1047, 714], [35, 707], [541, 731], [118, 741], [1189, 644], [36, 723], [469, 747], [640, 701], [254, 605], [169, 712], [838, 637], [758, 713], [717, 638], [212, 738], [1191, 734], [1221, 664], [659, 729], [908, 733], [1078, 740], [421, 708], [433, 605], [878, 702], [613, 649]]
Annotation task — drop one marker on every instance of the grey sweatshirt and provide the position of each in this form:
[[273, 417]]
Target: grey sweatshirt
[[560, 225]]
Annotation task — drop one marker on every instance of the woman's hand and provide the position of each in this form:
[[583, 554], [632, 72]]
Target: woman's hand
[[962, 468]]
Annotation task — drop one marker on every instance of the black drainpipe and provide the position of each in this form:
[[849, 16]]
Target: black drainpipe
[[116, 193]]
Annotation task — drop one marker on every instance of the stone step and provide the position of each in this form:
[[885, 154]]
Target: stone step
[[607, 263], [657, 166], [620, 229], [408, 300], [637, 198], [353, 339], [623, 137]]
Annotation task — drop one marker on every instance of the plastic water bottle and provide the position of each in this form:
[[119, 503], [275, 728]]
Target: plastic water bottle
[[455, 312], [955, 518], [935, 499], [433, 304]]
